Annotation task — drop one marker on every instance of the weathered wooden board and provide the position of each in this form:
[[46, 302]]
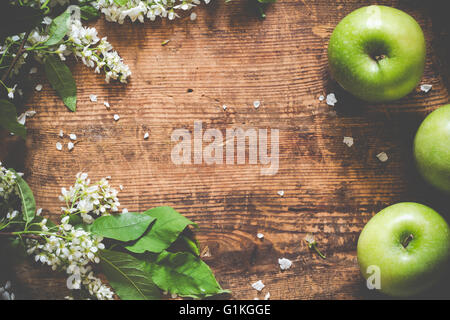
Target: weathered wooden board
[[228, 56]]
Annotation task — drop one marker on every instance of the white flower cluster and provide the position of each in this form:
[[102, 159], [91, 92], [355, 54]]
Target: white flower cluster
[[7, 183], [6, 292], [94, 52], [141, 9], [85, 199], [71, 250], [85, 44]]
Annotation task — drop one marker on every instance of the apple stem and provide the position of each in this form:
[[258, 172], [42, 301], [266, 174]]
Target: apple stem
[[380, 57], [407, 240]]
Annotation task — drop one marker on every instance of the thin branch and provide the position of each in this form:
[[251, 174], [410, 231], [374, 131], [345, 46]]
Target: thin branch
[[20, 52], [25, 235]]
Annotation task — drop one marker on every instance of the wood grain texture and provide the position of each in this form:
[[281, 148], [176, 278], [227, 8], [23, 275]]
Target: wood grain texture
[[228, 56]]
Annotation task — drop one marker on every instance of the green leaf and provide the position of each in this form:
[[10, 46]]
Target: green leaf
[[183, 274], [267, 1], [128, 276], [8, 119], [123, 227], [27, 198], [58, 28], [121, 2], [191, 244], [89, 13], [62, 81], [168, 226]]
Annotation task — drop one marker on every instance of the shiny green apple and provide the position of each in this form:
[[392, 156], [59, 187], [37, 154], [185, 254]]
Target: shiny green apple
[[377, 53], [410, 245], [432, 148]]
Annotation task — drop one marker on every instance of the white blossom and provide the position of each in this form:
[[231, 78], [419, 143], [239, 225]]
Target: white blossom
[[72, 250], [8, 186], [331, 99], [426, 87], [348, 141], [138, 10], [11, 91], [284, 263], [258, 285], [382, 156], [88, 200]]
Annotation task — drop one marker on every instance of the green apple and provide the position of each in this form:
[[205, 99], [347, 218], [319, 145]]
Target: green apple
[[432, 148], [377, 53], [409, 243]]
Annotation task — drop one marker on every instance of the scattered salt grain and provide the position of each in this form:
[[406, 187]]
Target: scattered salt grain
[[61, 133], [331, 99], [284, 263], [38, 87], [59, 146], [39, 211], [70, 146], [267, 296], [260, 235], [321, 98], [224, 107], [146, 135], [258, 285], [193, 16], [348, 141], [281, 193], [93, 97], [426, 87], [382, 156], [116, 117], [73, 136], [106, 103], [33, 70], [256, 104]]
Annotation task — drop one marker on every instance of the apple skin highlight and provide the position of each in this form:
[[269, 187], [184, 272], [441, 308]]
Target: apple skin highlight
[[405, 271], [432, 148], [377, 53]]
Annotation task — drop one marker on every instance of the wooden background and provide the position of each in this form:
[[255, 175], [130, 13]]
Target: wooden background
[[229, 56]]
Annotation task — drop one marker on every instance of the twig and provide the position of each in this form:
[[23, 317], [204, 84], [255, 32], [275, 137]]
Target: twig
[[20, 52], [25, 235]]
